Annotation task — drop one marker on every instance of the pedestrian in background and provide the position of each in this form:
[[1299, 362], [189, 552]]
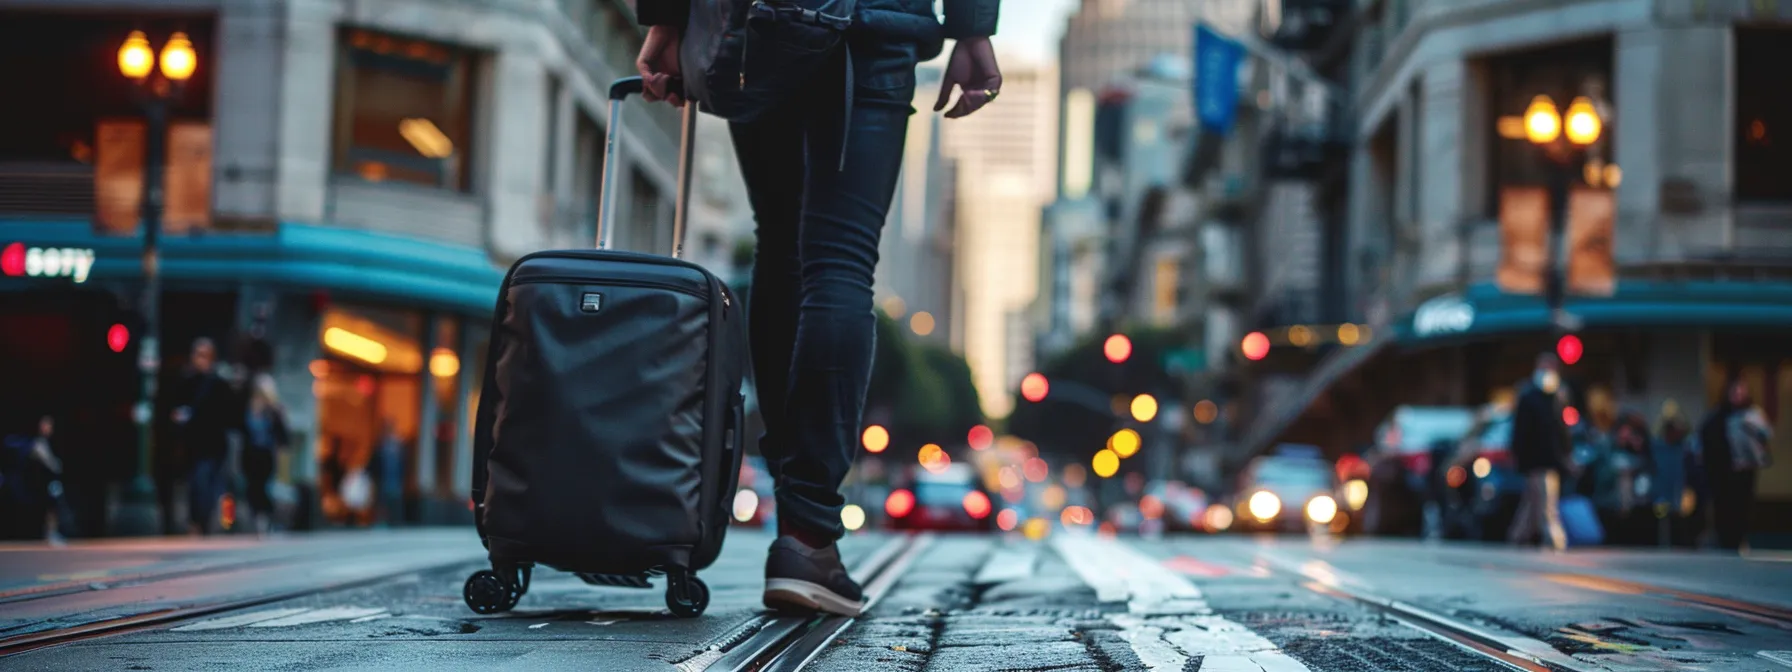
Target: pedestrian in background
[[1735, 441], [204, 416], [820, 176], [387, 470], [1672, 453], [1539, 448], [265, 438]]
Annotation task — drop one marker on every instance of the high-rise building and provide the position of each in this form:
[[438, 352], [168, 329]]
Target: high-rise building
[[1006, 171], [916, 278]]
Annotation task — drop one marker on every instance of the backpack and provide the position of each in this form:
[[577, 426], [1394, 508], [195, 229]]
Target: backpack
[[741, 58]]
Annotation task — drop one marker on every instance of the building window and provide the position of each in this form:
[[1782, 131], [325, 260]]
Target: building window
[[403, 110], [1763, 115], [1578, 69]]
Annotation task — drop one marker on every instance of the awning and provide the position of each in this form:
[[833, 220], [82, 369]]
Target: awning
[[344, 262], [1483, 310]]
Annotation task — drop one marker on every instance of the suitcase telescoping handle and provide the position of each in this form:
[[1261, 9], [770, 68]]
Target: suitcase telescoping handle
[[606, 208]]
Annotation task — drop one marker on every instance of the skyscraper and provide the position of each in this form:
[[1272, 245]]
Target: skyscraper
[[1006, 169]]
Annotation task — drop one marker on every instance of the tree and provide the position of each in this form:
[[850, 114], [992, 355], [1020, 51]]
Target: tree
[[1065, 428]]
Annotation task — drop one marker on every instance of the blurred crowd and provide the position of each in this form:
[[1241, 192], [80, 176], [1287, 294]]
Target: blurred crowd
[[222, 436]]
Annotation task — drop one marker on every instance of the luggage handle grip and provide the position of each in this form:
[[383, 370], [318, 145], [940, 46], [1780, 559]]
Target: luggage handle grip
[[620, 90]]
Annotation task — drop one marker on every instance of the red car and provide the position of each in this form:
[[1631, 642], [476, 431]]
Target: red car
[[950, 500]]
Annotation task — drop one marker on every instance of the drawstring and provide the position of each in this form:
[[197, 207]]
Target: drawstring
[[846, 121]]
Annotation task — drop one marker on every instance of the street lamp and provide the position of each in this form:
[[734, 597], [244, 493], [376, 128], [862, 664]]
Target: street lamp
[[1564, 140], [155, 94]]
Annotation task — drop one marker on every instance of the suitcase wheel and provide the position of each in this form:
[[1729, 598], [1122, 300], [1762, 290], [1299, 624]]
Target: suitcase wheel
[[485, 593], [686, 595]]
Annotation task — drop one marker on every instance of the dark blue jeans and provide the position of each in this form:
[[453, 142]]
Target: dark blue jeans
[[205, 484], [810, 319]]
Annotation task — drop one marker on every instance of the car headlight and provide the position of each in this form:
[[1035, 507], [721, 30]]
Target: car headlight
[[1264, 505], [1322, 509]]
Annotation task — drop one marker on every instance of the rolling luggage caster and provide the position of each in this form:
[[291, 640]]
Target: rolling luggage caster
[[686, 595], [487, 593]]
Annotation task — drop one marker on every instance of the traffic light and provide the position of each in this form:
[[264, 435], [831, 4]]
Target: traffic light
[[1117, 348], [118, 337], [1569, 348], [1255, 346], [1034, 387]]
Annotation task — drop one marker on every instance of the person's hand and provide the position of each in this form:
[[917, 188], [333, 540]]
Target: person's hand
[[658, 64], [972, 69]]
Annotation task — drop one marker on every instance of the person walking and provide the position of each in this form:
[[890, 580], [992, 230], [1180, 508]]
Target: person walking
[[1672, 453], [820, 176], [265, 438], [1735, 441], [1539, 444], [204, 416]]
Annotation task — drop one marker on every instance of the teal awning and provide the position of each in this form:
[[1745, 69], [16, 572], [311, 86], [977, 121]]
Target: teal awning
[[1483, 310], [299, 257]]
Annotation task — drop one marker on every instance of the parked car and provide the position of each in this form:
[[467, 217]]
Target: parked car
[[1482, 485], [1407, 468], [1288, 490], [950, 500]]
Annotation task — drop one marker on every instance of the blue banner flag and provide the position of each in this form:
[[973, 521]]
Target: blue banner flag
[[1217, 58]]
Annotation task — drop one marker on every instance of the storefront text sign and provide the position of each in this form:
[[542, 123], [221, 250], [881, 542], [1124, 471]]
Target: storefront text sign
[[1443, 315], [17, 260]]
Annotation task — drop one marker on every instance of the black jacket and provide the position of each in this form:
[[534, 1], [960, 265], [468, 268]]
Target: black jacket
[[1539, 438], [911, 20]]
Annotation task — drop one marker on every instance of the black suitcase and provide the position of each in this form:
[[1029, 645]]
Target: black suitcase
[[609, 431]]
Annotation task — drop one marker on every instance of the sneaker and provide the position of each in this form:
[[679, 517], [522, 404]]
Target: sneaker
[[801, 578]]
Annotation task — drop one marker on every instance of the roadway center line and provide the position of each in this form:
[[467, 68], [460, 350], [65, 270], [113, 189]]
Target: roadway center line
[[1167, 620]]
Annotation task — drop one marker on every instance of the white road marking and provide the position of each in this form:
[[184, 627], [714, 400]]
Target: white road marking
[[1781, 657], [319, 616], [538, 626], [1167, 620], [238, 620], [607, 621], [1008, 564], [374, 617]]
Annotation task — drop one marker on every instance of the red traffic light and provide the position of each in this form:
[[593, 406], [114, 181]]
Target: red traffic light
[[1117, 348], [118, 337], [1033, 387], [1569, 348], [980, 437], [1255, 346]]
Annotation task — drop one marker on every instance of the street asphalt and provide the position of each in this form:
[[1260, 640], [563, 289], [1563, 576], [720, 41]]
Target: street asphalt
[[391, 600]]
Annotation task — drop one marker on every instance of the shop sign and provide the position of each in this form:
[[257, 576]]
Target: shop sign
[[17, 260], [1443, 315]]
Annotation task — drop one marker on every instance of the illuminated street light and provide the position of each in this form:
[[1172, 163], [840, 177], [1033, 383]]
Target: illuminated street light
[[1106, 463], [137, 61], [1144, 408], [1124, 443], [876, 439], [135, 58], [1583, 122], [178, 59], [1542, 123]]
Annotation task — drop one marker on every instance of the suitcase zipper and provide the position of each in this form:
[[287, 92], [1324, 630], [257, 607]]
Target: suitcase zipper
[[643, 284]]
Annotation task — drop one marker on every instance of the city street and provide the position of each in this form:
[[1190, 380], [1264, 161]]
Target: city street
[[392, 600]]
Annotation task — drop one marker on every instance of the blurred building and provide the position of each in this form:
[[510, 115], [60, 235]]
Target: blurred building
[[346, 181], [1678, 246], [1003, 159], [1110, 48], [917, 278]]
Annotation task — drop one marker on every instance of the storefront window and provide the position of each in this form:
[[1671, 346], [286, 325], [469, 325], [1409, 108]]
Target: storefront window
[[1763, 115], [444, 371], [369, 403], [404, 110]]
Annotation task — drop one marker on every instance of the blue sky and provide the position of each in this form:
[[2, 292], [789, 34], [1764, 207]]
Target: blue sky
[[1031, 28]]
